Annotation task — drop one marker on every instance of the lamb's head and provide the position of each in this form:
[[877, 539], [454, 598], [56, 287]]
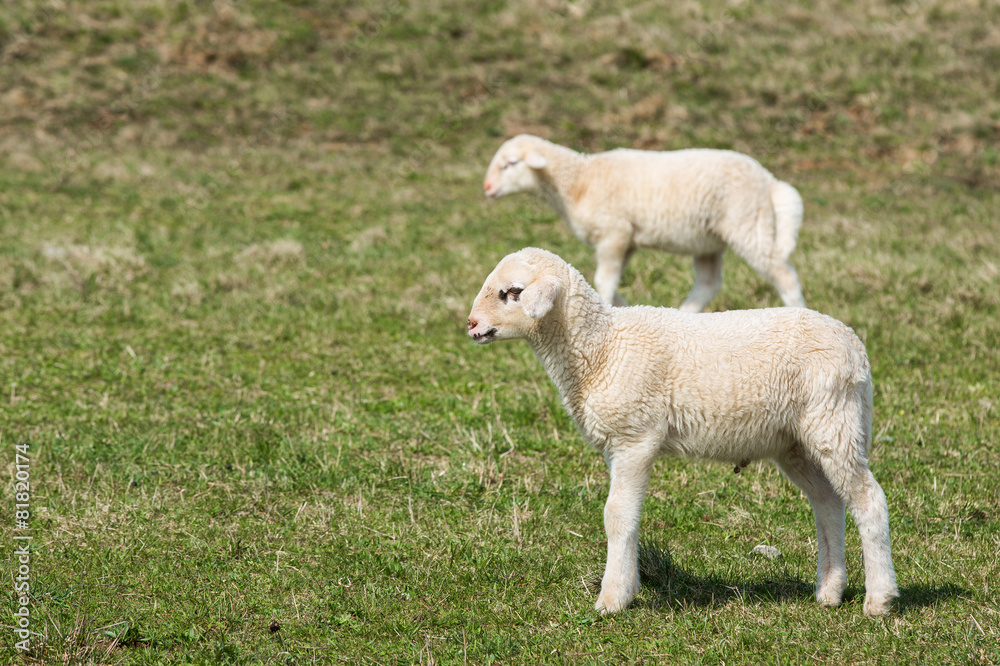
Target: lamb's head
[[514, 167], [516, 297]]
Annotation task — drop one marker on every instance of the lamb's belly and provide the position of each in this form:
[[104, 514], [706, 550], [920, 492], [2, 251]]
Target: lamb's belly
[[730, 446], [679, 239]]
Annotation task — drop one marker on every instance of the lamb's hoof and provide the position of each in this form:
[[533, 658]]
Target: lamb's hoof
[[608, 604], [831, 594], [828, 600], [605, 609], [878, 605]]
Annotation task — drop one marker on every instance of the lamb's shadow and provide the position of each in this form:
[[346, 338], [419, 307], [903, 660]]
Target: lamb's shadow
[[925, 596], [672, 587]]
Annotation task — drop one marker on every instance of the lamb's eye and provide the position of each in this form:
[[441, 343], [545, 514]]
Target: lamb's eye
[[515, 292], [507, 165]]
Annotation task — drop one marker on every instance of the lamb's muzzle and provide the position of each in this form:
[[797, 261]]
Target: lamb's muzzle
[[481, 334], [642, 381]]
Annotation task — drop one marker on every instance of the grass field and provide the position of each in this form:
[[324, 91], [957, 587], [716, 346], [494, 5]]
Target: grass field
[[240, 241]]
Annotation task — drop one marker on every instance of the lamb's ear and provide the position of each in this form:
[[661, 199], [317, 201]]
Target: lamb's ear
[[539, 297], [535, 160]]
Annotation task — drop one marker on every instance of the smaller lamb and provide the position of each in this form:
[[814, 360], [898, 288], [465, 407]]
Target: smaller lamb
[[696, 202], [786, 384]]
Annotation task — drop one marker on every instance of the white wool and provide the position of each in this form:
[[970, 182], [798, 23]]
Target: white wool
[[694, 202], [786, 384]]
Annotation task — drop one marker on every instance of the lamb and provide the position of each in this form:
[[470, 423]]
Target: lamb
[[786, 384], [696, 202]]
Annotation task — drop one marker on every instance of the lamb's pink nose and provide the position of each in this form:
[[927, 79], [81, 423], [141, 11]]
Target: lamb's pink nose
[[472, 323]]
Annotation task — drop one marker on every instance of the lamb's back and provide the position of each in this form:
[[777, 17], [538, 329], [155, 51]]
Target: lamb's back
[[673, 200], [741, 375]]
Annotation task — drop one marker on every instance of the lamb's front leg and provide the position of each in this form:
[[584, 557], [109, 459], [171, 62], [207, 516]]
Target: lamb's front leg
[[629, 478]]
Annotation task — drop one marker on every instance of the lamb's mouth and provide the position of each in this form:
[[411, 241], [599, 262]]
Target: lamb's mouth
[[486, 336]]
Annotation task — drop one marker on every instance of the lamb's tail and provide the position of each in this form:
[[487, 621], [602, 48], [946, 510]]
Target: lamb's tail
[[787, 206]]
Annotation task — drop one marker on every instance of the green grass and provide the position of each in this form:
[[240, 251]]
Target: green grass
[[239, 245]]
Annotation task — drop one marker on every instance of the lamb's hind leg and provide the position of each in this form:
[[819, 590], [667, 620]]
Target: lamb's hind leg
[[782, 275], [842, 455], [867, 504], [613, 254], [707, 282], [764, 258], [828, 508], [778, 272]]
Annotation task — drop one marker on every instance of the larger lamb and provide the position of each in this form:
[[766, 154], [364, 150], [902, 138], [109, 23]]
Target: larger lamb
[[786, 384], [694, 202]]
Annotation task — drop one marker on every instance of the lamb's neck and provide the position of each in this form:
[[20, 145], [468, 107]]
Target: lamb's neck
[[560, 176], [572, 343]]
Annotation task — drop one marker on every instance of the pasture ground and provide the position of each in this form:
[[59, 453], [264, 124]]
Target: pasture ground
[[239, 243]]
